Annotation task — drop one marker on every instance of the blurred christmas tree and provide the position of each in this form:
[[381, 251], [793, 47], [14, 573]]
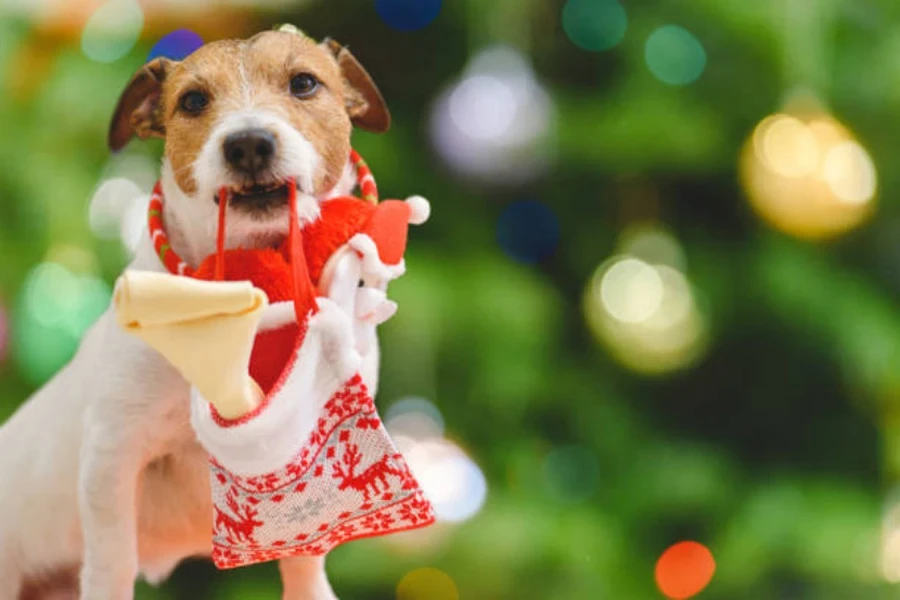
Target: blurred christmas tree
[[642, 313]]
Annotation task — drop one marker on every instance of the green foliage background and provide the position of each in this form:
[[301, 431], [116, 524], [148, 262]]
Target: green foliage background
[[777, 450]]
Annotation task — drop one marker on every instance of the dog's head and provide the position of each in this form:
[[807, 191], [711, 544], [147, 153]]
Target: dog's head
[[248, 115]]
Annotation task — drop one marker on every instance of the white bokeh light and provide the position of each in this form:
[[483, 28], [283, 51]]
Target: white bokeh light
[[483, 107], [496, 123], [450, 479], [118, 206], [110, 204]]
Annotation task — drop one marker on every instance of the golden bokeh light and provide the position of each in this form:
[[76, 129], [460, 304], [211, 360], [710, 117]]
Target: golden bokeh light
[[645, 314], [890, 540], [427, 584], [631, 291], [807, 175]]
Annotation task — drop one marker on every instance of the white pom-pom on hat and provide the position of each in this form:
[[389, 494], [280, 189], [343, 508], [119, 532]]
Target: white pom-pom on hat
[[419, 209]]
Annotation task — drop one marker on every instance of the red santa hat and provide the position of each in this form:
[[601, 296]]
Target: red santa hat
[[377, 232]]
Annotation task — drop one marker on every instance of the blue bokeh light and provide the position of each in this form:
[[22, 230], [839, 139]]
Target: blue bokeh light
[[408, 15], [176, 45], [528, 231]]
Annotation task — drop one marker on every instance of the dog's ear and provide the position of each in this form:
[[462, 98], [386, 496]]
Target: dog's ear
[[365, 104], [139, 111]]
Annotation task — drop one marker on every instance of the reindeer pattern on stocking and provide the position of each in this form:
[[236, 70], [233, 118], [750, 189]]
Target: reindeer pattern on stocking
[[326, 496]]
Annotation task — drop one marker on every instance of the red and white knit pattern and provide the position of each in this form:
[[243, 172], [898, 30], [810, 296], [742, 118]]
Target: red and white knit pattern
[[349, 482]]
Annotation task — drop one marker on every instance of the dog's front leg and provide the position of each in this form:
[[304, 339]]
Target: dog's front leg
[[304, 578], [108, 478]]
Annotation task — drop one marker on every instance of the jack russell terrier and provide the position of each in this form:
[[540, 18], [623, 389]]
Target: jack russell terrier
[[102, 476]]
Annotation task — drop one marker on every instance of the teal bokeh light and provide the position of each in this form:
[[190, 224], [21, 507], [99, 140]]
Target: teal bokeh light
[[674, 55], [594, 25]]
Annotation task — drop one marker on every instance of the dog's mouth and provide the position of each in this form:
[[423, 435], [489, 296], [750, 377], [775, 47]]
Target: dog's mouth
[[264, 204], [258, 198]]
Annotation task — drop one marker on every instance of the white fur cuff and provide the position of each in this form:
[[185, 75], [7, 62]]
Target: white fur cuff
[[271, 438]]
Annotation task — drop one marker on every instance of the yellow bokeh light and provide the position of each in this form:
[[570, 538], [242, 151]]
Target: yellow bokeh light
[[850, 174], [890, 540], [427, 584], [890, 557], [631, 290], [645, 314], [807, 175], [788, 146]]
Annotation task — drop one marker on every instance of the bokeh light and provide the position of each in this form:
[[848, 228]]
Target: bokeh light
[[528, 231], [112, 30], [496, 124], [571, 473], [849, 173], [674, 55], [110, 203], [450, 479], [408, 15], [594, 25], [631, 291], [60, 299], [645, 314], [652, 243], [415, 418], [176, 45], [684, 570], [427, 584], [890, 538], [807, 175], [118, 207]]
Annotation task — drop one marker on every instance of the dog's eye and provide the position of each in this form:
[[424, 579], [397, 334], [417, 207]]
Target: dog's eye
[[304, 85], [193, 102]]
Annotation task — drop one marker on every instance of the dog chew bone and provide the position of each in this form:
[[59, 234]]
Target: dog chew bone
[[205, 329]]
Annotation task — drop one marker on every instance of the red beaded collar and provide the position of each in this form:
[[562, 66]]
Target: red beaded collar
[[173, 262]]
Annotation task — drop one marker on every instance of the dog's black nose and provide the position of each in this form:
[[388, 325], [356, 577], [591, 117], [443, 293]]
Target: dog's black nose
[[249, 151]]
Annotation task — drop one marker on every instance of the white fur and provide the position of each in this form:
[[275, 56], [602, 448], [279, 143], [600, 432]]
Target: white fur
[[101, 468], [419, 209]]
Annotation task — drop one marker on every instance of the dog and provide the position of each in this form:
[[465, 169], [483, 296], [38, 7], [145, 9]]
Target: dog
[[101, 471]]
